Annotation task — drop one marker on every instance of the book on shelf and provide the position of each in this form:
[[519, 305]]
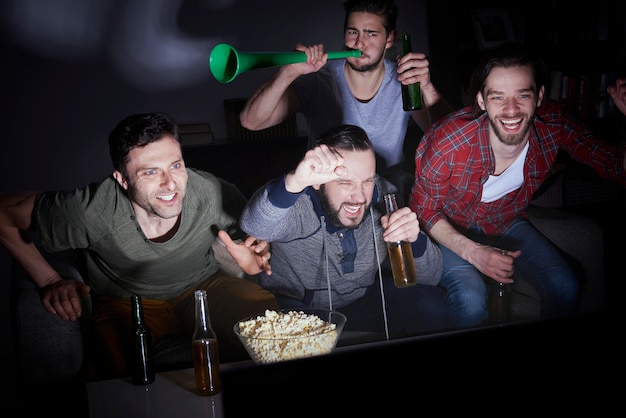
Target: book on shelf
[[583, 95]]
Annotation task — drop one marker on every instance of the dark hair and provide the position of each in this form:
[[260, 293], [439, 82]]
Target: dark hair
[[137, 131], [387, 9], [346, 137], [507, 55]]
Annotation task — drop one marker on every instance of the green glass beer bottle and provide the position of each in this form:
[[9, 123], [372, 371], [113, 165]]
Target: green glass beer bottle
[[411, 95], [142, 360]]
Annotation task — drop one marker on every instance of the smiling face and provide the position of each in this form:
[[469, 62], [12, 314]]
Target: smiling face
[[510, 99], [157, 179], [365, 32], [347, 199]]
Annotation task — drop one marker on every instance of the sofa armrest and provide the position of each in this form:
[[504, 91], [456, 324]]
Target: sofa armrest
[[47, 347], [581, 240]]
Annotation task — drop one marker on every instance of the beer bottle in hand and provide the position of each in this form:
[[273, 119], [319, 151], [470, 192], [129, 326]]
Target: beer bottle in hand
[[411, 94], [400, 253]]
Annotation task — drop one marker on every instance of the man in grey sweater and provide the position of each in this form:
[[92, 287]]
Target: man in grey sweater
[[328, 231]]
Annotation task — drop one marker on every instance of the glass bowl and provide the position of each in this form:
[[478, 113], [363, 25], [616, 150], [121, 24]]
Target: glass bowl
[[290, 334]]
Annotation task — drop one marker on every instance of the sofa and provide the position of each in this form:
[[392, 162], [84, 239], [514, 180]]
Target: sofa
[[50, 349]]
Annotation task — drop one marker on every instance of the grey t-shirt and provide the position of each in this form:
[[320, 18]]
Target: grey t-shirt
[[121, 261], [327, 101]]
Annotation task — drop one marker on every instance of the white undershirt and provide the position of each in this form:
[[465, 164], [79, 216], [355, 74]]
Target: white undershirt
[[510, 179]]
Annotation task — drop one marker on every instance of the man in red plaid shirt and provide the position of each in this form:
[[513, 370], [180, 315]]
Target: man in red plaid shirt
[[476, 172]]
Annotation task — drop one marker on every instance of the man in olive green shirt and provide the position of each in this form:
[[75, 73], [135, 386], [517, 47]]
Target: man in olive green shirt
[[149, 230]]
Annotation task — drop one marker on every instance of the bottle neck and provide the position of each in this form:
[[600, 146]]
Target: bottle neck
[[137, 310], [202, 313], [390, 203], [406, 44]]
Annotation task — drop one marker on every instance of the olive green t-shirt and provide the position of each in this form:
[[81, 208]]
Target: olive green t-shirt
[[121, 261]]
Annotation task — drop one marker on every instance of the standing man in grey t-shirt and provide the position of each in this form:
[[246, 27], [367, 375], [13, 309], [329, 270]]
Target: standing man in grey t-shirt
[[363, 91]]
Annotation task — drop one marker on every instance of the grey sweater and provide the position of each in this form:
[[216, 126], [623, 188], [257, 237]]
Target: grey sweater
[[316, 262]]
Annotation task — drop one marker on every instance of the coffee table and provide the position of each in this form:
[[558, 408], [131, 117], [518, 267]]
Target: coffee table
[[247, 388], [574, 355], [172, 394]]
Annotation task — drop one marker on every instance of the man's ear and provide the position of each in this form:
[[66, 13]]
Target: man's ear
[[480, 101], [391, 39], [121, 180], [542, 91], [316, 186]]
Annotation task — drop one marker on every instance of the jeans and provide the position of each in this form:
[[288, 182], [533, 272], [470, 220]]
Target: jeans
[[540, 264]]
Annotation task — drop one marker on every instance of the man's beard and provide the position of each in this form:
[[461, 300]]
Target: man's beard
[[332, 214], [367, 67], [507, 138]]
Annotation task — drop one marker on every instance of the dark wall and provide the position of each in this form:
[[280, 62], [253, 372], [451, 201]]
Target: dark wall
[[72, 75], [73, 69], [573, 40]]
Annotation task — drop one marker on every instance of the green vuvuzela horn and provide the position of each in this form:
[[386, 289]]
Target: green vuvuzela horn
[[226, 62]]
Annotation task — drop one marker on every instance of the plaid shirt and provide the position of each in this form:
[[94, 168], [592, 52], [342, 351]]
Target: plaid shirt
[[454, 160]]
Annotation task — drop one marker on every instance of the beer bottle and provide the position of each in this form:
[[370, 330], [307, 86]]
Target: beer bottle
[[411, 95], [499, 303], [142, 367], [400, 253], [205, 350]]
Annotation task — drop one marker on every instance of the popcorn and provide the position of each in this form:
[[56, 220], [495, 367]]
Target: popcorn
[[280, 336]]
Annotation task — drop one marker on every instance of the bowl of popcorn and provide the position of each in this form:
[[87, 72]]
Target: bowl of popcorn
[[290, 334]]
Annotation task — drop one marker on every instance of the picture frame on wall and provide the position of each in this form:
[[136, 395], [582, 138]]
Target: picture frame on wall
[[493, 27]]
